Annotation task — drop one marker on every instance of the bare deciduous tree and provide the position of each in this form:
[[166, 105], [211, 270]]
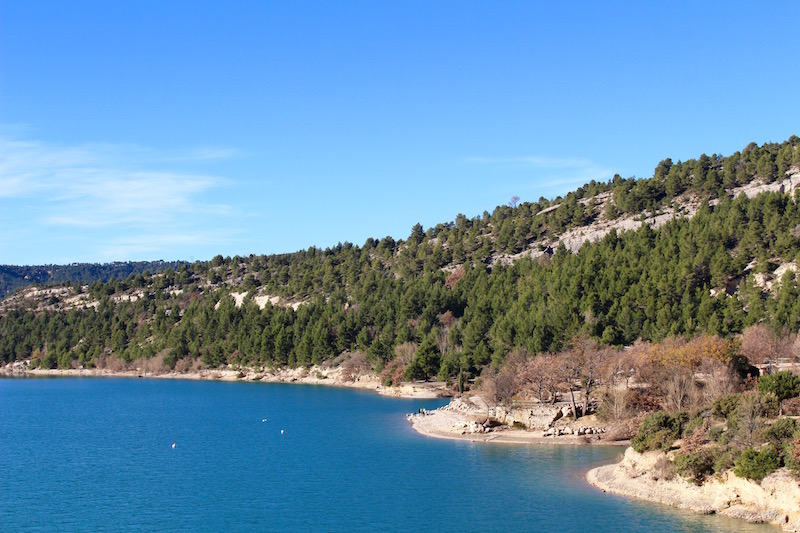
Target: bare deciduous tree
[[542, 375], [678, 388], [354, 365], [751, 417], [443, 340], [718, 380], [581, 366], [760, 343]]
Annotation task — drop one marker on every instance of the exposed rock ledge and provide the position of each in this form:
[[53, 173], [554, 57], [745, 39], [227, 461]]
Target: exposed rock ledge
[[469, 418], [776, 500]]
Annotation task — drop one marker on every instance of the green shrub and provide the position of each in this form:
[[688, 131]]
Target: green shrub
[[724, 460], [791, 455], [170, 359], [780, 432], [784, 384], [49, 361], [695, 422], [757, 465], [772, 405], [696, 465], [715, 433], [752, 409], [723, 407], [658, 431]]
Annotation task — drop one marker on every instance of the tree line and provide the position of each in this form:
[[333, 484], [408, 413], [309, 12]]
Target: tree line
[[437, 305]]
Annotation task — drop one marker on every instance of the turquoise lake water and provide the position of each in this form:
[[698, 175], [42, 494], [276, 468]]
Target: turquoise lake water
[[94, 454]]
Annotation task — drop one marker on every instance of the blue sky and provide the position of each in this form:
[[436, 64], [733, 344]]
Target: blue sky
[[139, 130]]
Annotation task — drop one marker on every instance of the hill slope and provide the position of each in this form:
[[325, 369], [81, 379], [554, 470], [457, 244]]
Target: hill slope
[[704, 246], [15, 277]]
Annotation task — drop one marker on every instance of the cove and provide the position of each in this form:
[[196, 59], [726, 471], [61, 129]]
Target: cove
[[96, 454]]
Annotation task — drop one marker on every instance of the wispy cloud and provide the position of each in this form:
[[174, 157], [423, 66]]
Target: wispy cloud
[[533, 161], [539, 174], [148, 244], [124, 191]]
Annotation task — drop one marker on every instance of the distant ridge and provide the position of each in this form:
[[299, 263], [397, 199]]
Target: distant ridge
[[13, 277]]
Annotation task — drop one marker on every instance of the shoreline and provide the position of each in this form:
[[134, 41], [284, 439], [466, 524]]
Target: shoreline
[[458, 420], [330, 377], [464, 420], [776, 500]]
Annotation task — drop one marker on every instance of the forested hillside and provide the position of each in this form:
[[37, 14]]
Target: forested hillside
[[14, 277], [705, 246]]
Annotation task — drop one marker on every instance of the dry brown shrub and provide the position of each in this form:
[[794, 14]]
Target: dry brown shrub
[[644, 400], [355, 365], [514, 378], [111, 363], [486, 385], [623, 429], [405, 352], [615, 405], [454, 277], [791, 407], [392, 373], [152, 365], [759, 343], [679, 390], [663, 469], [718, 380], [696, 440], [794, 453], [675, 351], [640, 358], [795, 349], [198, 365], [686, 374], [447, 319], [184, 364], [619, 367]]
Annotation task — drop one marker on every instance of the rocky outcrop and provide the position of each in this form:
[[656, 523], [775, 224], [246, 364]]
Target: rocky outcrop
[[579, 431], [775, 500], [538, 416]]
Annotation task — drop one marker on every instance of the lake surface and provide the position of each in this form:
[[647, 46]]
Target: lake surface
[[96, 454]]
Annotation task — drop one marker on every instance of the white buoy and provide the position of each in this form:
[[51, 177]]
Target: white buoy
[[174, 445], [281, 432]]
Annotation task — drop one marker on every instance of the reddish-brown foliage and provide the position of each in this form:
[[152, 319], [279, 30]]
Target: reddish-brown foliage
[[455, 277]]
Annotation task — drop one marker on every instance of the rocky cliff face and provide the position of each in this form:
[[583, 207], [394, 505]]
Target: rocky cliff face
[[775, 500]]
